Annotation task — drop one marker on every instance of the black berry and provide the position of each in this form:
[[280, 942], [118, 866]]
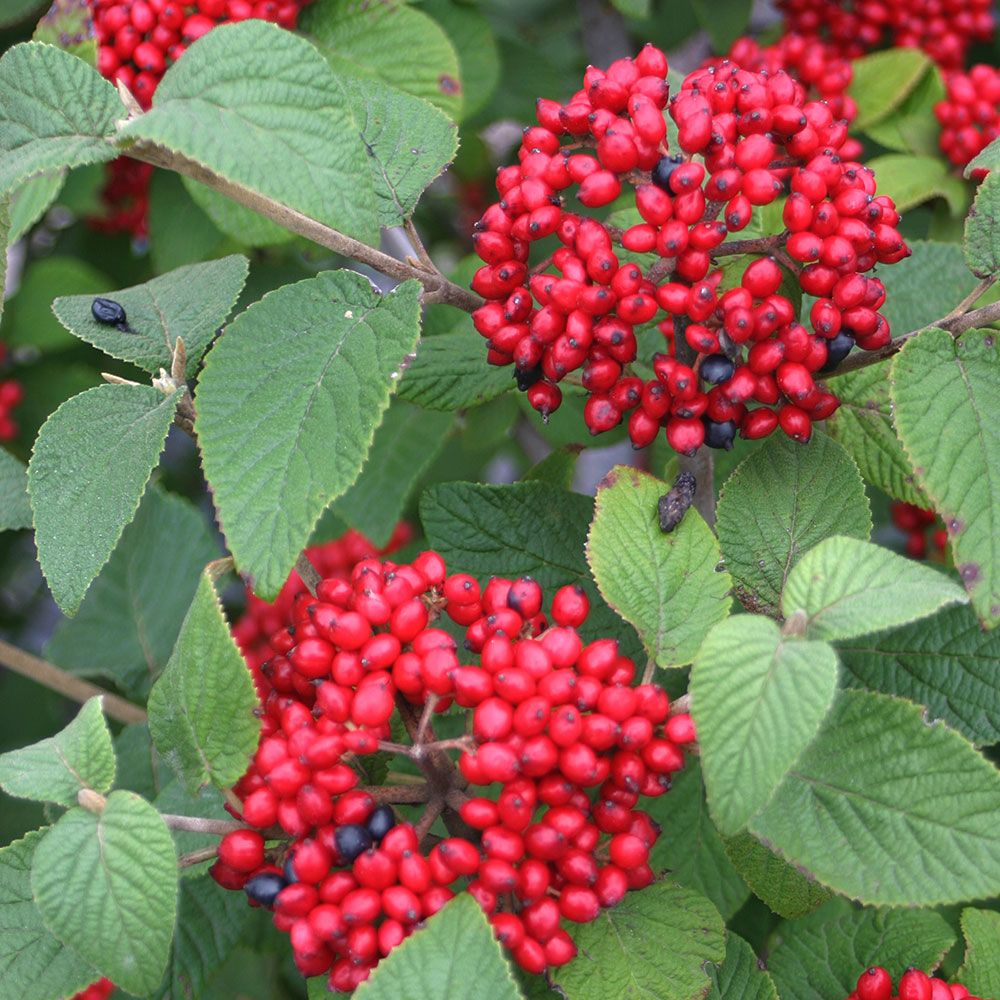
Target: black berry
[[289, 869], [716, 368], [837, 348], [663, 169], [380, 822], [720, 433], [264, 888], [527, 377], [352, 840]]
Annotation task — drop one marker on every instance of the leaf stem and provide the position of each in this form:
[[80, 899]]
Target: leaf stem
[[196, 857], [198, 824]]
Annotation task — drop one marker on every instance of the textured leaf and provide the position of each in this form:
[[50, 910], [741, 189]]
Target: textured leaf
[[823, 954], [56, 769], [757, 701], [88, 471], [450, 372], [408, 141], [34, 963], [780, 502], [191, 303], [883, 80], [912, 180], [740, 976], [782, 887], [888, 810], [988, 159], [946, 395], [655, 944], [527, 529], [980, 972], [456, 951], [666, 585], [258, 106], [288, 403], [406, 443], [392, 42], [201, 709], [982, 229], [55, 112], [848, 588], [946, 662], [15, 511], [689, 846], [127, 625], [32, 200], [108, 884]]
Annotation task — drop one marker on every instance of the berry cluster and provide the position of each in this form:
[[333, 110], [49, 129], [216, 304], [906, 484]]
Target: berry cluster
[[556, 723], [915, 522], [944, 29], [969, 114], [11, 395], [876, 984], [124, 198], [100, 990], [736, 359]]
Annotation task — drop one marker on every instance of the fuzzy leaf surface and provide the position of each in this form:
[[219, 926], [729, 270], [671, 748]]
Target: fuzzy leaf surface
[[980, 971], [448, 373], [740, 977], [15, 510]]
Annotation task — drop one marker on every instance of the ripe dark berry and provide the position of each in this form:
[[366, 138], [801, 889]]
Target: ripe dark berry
[[352, 840], [264, 889], [109, 312], [837, 349], [716, 368], [663, 170], [720, 434], [381, 822]]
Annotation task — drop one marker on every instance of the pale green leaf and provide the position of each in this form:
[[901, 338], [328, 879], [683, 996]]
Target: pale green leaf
[[70, 25], [780, 502], [757, 700], [450, 372], [667, 585], [889, 810], [108, 884], [947, 394], [883, 80], [557, 468], [912, 180], [982, 229], [288, 403], [32, 200], [58, 768], [87, 474], [847, 588], [179, 231], [740, 976], [988, 159], [201, 710], [654, 945], [15, 511], [980, 972], [258, 106], [247, 227], [912, 127], [455, 951]]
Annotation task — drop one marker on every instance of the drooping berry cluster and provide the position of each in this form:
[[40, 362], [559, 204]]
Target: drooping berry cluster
[[876, 984], [11, 395], [736, 359], [556, 723], [944, 29], [100, 990], [969, 114], [917, 524]]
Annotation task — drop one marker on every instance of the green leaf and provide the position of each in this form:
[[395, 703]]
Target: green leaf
[[108, 884], [15, 511], [982, 237], [527, 529], [988, 159], [32, 200], [57, 768], [247, 227], [847, 588], [180, 232], [780, 502], [207, 803], [689, 846], [15, 11], [288, 403], [405, 445], [639, 9], [946, 394], [393, 43], [757, 700], [88, 471], [558, 468], [201, 710], [55, 111], [127, 625], [740, 976], [723, 20], [946, 662], [191, 303], [34, 963], [139, 768], [912, 180], [781, 886], [258, 106], [912, 127], [667, 585], [408, 141], [980, 972], [456, 947], [450, 372], [883, 80], [823, 954], [70, 25], [888, 809], [654, 944]]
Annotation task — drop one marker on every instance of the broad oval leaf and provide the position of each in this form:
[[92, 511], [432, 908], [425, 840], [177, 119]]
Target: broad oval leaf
[[889, 810], [982, 229], [883, 80], [780, 502], [980, 971], [259, 107], [757, 700], [15, 510], [655, 943], [740, 976], [191, 302], [845, 588], [288, 403], [947, 396], [108, 884], [665, 584], [912, 180], [88, 470]]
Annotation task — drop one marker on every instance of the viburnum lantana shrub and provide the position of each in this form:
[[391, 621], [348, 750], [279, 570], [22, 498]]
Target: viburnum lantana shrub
[[542, 561]]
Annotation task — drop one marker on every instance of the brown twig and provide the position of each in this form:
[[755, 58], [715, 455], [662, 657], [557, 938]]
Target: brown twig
[[759, 244], [198, 824], [197, 857], [308, 573], [701, 464]]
